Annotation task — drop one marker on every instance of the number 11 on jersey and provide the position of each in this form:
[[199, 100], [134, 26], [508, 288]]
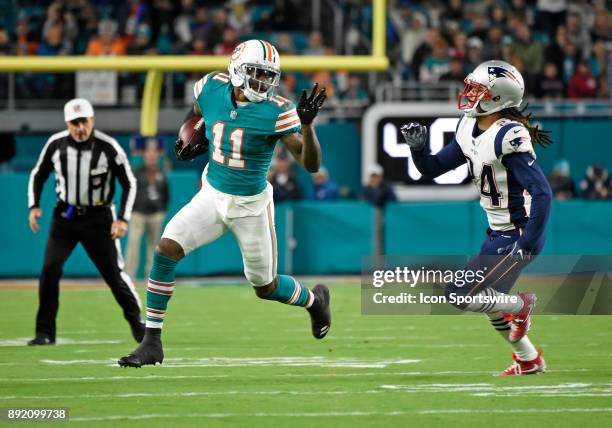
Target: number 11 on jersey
[[236, 138]]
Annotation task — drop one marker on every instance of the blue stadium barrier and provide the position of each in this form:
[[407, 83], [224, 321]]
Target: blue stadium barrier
[[458, 228], [330, 237]]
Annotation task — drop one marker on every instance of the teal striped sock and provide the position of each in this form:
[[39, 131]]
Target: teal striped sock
[[291, 292], [160, 287]]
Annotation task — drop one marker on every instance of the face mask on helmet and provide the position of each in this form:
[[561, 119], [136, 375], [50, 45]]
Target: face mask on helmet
[[259, 81], [472, 94]]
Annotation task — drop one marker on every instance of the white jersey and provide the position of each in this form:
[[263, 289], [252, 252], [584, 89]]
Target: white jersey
[[505, 202]]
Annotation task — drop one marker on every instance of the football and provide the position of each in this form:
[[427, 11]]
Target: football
[[192, 132]]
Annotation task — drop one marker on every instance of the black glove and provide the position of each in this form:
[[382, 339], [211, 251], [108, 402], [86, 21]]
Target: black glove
[[308, 107], [190, 152], [520, 254], [415, 135]]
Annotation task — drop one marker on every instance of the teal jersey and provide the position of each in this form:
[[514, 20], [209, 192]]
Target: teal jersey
[[242, 138]]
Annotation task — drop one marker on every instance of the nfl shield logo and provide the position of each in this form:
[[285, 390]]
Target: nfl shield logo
[[233, 114]]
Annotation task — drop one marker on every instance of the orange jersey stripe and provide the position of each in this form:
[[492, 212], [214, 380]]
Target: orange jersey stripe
[[287, 125], [286, 114]]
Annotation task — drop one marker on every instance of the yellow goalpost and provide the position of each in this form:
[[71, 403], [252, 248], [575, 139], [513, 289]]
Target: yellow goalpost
[[155, 66]]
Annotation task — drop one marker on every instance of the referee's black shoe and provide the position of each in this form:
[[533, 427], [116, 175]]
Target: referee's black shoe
[[41, 339], [149, 352], [320, 313]]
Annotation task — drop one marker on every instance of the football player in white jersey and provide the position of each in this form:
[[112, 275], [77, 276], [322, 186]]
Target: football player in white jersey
[[496, 140]]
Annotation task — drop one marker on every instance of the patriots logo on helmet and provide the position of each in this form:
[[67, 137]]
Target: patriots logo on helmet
[[500, 72]]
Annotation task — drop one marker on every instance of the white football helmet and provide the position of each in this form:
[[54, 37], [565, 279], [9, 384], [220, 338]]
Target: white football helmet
[[255, 68], [492, 86]]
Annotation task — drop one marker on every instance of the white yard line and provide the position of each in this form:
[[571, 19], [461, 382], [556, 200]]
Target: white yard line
[[514, 411], [492, 390], [473, 389], [114, 378], [551, 394], [155, 377], [333, 414], [22, 341], [253, 362], [183, 394]]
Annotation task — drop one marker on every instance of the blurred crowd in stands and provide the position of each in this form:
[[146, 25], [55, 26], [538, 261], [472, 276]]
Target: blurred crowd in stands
[[562, 47], [163, 27], [596, 183], [322, 187]]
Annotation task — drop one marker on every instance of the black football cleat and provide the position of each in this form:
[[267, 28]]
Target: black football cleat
[[41, 339], [320, 313], [149, 352], [138, 330]]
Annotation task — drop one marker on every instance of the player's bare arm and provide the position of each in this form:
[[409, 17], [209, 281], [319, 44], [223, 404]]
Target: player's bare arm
[[305, 148]]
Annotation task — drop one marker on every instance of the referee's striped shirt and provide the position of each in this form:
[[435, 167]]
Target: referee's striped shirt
[[84, 172]]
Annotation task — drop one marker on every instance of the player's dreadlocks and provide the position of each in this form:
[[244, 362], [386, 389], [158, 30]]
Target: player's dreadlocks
[[538, 136]]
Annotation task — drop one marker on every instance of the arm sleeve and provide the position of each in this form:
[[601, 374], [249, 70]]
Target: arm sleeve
[[123, 171], [39, 174], [450, 157], [529, 175]]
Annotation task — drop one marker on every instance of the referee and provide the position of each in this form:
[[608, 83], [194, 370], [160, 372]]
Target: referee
[[85, 162]]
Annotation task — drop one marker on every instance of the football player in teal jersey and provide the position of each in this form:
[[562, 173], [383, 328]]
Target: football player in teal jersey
[[244, 120]]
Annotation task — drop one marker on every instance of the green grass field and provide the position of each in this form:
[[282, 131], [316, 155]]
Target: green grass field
[[233, 360]]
